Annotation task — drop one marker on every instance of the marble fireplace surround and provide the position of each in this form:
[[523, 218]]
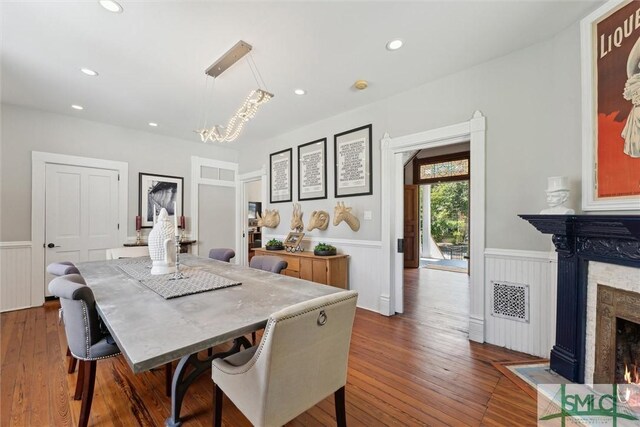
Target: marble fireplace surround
[[583, 242], [603, 276]]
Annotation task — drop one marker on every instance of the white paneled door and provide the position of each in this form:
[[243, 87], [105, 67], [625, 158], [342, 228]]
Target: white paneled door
[[81, 211]]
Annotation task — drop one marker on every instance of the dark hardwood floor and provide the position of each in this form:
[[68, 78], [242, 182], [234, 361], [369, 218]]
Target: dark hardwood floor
[[413, 369]]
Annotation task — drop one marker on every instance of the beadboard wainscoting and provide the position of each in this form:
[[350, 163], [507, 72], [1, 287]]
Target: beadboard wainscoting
[[364, 275], [537, 271], [16, 290]]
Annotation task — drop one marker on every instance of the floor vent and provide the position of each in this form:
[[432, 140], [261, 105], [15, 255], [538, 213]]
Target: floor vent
[[510, 301]]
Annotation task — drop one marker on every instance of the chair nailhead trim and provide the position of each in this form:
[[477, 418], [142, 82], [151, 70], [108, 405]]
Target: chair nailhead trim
[[85, 319], [270, 326]]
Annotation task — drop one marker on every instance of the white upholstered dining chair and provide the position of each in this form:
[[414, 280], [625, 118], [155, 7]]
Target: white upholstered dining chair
[[301, 359]]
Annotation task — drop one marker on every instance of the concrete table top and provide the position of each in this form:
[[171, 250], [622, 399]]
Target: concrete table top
[[152, 331]]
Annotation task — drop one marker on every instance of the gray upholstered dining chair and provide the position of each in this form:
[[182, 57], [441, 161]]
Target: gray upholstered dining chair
[[62, 269], [273, 264], [301, 359], [86, 341], [222, 254]]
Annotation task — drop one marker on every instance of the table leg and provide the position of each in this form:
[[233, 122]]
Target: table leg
[[182, 380]]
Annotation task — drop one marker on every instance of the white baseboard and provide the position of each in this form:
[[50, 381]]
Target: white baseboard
[[476, 329], [385, 306]]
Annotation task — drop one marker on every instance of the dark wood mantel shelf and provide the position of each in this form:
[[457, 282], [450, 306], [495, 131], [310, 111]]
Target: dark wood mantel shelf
[[579, 239]]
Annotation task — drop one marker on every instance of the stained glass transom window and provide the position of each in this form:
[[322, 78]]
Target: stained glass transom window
[[446, 169]]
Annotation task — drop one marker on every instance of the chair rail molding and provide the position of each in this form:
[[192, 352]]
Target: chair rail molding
[[392, 206], [39, 161]]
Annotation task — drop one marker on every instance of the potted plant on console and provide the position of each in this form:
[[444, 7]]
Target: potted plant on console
[[274, 245], [323, 249]]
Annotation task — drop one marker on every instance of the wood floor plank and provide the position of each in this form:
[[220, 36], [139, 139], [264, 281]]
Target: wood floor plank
[[413, 369]]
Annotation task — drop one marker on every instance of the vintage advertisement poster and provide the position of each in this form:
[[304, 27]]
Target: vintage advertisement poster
[[616, 56]]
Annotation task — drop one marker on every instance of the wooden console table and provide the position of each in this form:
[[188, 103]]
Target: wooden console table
[[184, 245], [329, 270]]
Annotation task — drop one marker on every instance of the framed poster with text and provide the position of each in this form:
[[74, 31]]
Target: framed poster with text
[[312, 170], [353, 158], [280, 169], [611, 107]]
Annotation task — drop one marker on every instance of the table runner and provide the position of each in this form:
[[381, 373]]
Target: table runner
[[195, 280]]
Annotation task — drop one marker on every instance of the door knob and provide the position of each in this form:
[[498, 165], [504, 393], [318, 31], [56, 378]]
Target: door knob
[[51, 246]]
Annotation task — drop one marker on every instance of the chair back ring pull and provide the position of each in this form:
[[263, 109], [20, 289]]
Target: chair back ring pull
[[322, 318]]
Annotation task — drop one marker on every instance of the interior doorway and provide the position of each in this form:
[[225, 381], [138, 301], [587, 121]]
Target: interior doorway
[[253, 187], [79, 210], [394, 152], [253, 205], [436, 215]]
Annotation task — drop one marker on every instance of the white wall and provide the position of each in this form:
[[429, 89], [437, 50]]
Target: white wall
[[25, 130], [531, 99]]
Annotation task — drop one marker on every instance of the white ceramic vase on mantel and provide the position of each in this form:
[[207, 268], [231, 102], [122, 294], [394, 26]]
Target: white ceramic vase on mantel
[[162, 246]]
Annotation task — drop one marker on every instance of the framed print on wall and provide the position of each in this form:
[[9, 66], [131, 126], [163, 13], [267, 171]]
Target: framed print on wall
[[312, 170], [280, 171], [353, 158], [611, 107], [159, 191]]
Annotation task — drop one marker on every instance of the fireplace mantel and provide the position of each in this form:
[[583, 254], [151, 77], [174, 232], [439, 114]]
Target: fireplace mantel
[[579, 239]]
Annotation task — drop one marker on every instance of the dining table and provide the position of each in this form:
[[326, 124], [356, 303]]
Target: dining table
[[152, 330]]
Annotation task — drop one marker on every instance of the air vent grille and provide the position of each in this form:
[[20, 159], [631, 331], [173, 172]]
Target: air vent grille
[[510, 301]]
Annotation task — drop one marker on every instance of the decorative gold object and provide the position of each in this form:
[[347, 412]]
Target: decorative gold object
[[343, 213], [269, 218], [319, 220], [296, 218]]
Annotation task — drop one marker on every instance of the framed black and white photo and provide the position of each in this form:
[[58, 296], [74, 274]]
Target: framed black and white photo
[[312, 170], [157, 192], [280, 168], [353, 158]]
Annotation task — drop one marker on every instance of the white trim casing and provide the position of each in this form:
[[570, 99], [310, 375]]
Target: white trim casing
[[39, 161], [473, 131]]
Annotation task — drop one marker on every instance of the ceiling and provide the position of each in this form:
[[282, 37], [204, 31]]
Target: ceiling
[[151, 58]]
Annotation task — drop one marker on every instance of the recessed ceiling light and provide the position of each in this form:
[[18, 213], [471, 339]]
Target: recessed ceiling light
[[152, 124], [394, 44], [300, 92], [77, 107], [89, 72], [111, 6]]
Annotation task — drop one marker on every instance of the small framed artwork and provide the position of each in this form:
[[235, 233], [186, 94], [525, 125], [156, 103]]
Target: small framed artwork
[[157, 192], [353, 158], [312, 170], [611, 108], [293, 239], [280, 180]]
